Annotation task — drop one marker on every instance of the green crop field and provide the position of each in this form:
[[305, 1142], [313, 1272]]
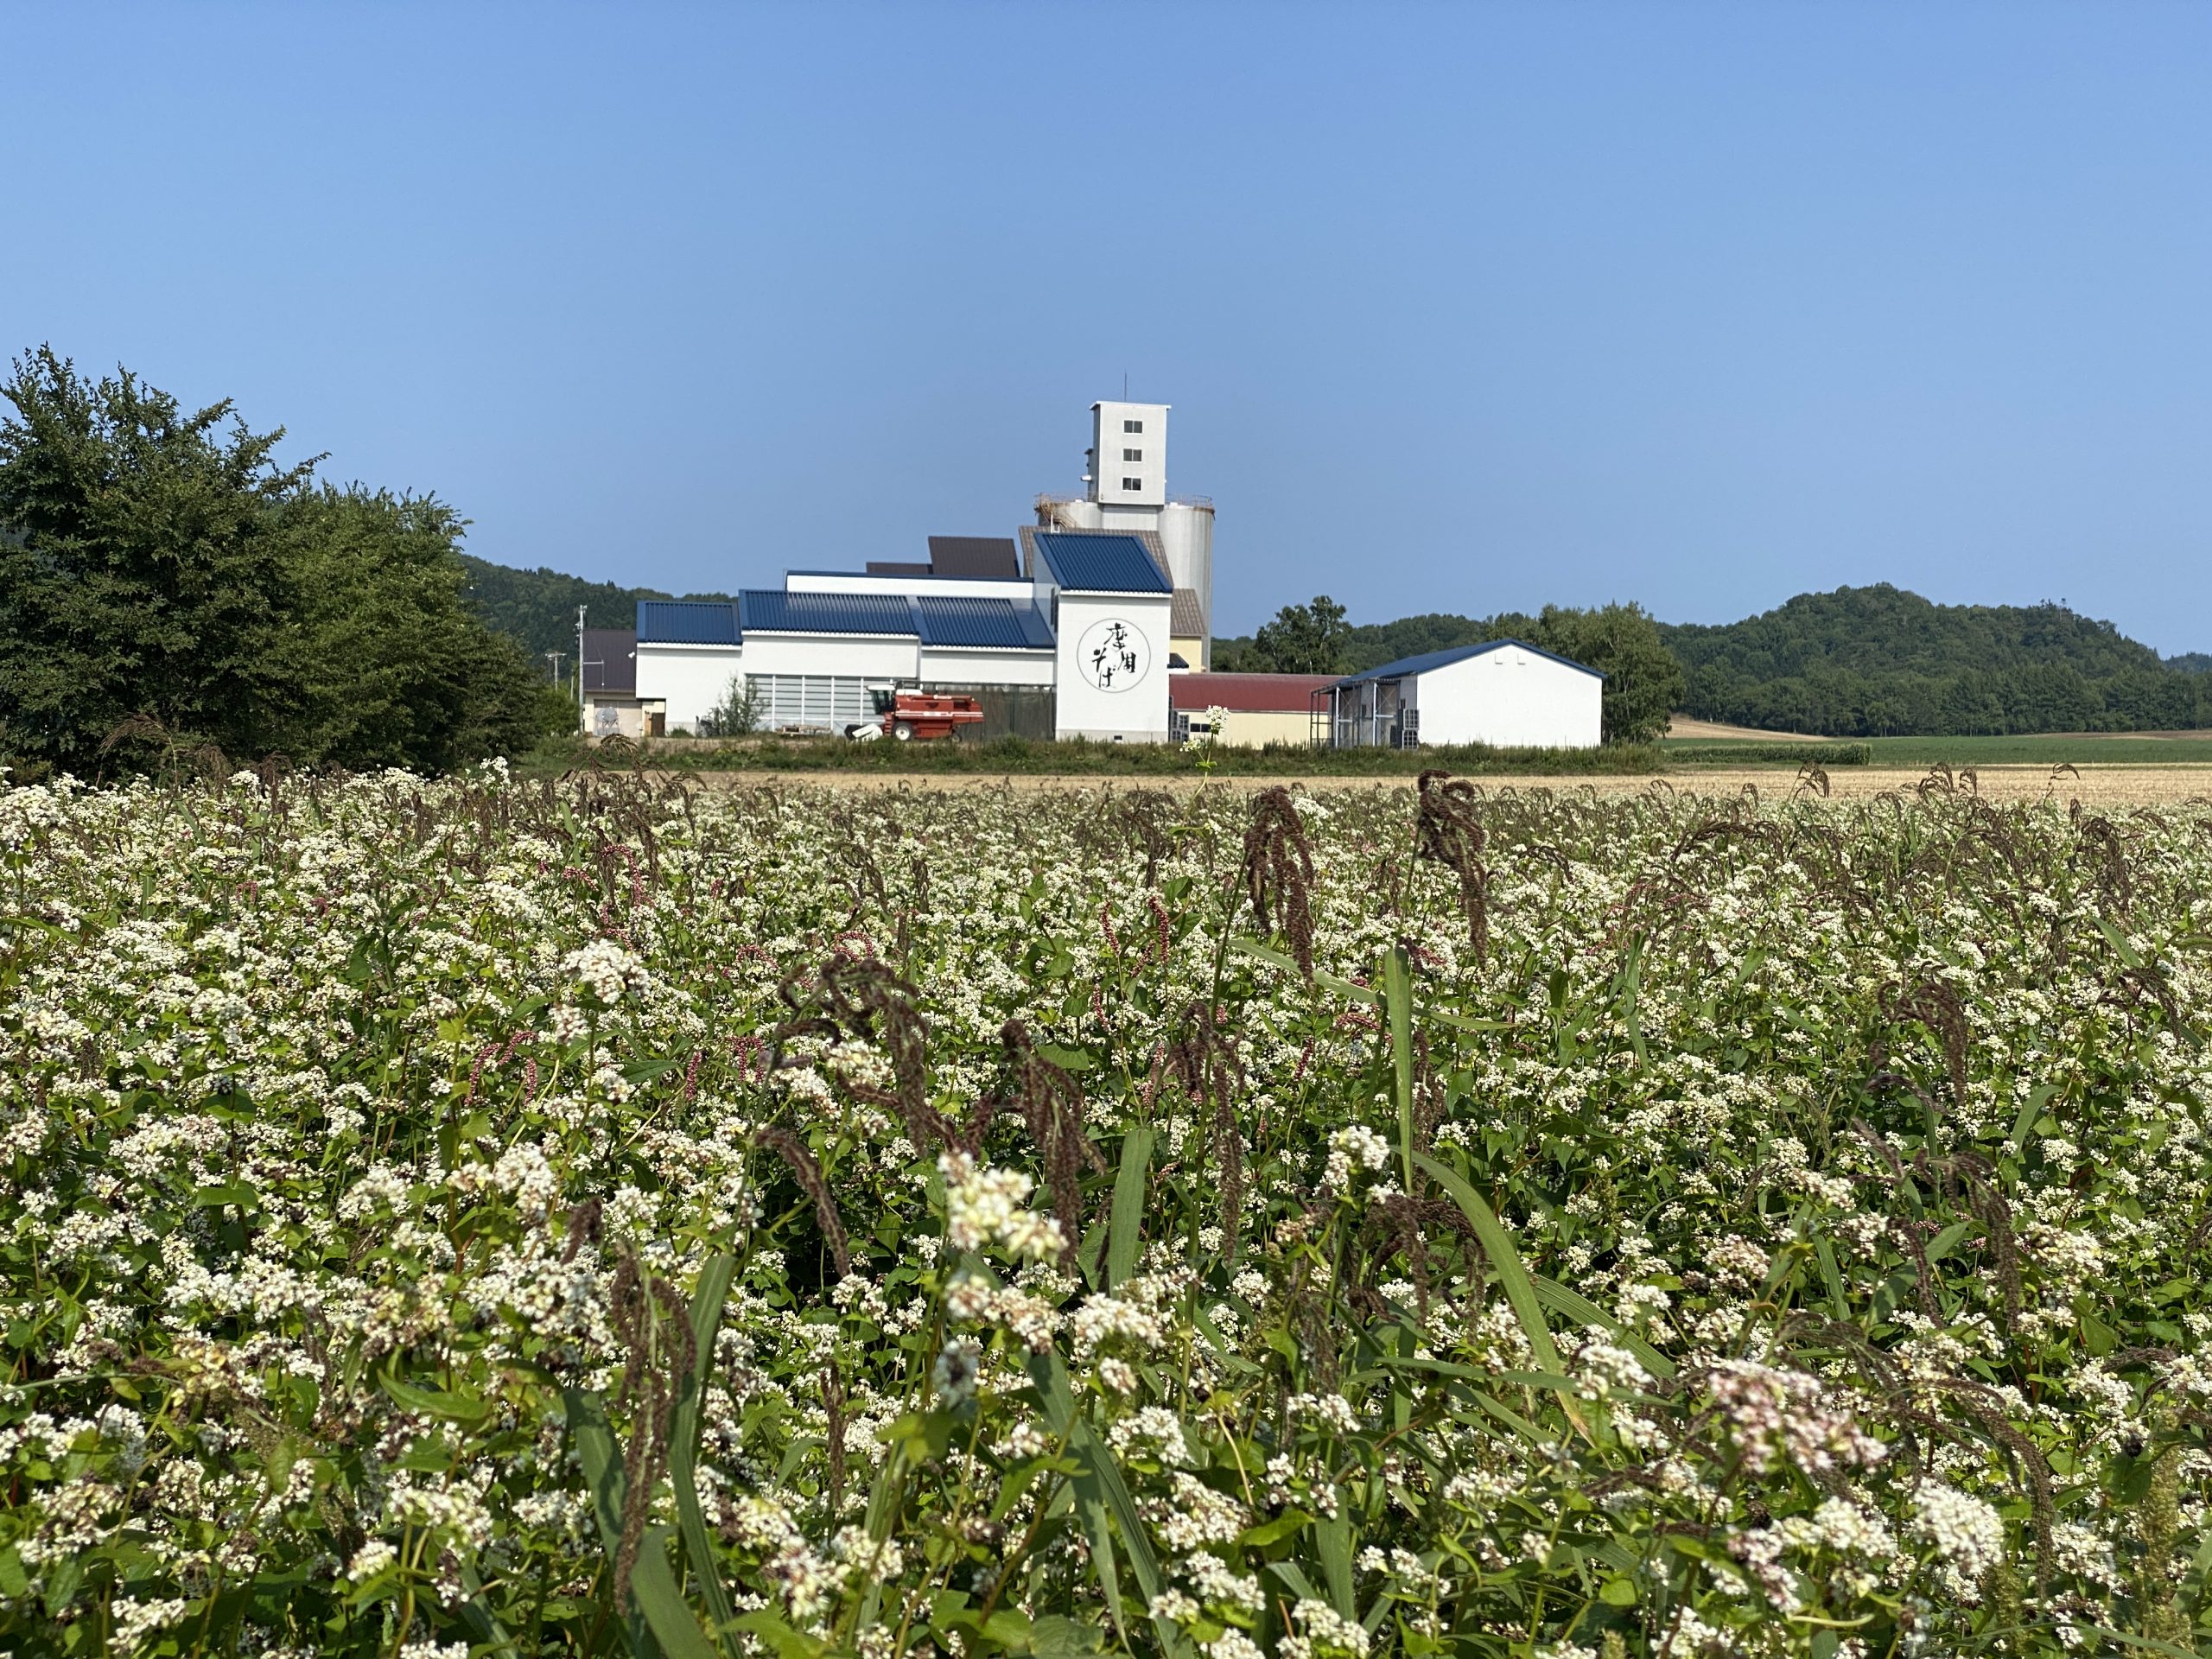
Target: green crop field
[[2083, 749], [613, 1215]]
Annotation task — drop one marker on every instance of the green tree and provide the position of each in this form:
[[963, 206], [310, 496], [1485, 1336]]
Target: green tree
[[1643, 683], [142, 564], [384, 663], [1302, 640], [162, 575]]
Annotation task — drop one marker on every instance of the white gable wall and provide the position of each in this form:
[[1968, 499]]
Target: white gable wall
[[1511, 698], [689, 680], [1134, 711]]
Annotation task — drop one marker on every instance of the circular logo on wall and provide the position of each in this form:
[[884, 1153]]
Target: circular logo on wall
[[1113, 654]]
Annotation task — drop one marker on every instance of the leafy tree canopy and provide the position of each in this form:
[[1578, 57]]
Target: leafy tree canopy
[[1302, 640], [164, 578]]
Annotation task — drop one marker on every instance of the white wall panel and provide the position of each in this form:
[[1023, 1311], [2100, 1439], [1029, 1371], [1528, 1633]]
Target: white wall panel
[[948, 665], [1134, 705], [690, 679], [1510, 698]]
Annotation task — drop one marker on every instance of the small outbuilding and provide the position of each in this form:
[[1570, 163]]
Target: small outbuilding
[[1250, 711], [1505, 693]]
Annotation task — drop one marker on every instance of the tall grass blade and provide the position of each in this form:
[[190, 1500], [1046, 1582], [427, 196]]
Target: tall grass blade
[[660, 1599], [1505, 1260], [1124, 1231], [683, 1440], [1332, 1534], [1398, 995], [602, 1464], [1570, 1305], [1100, 1491]]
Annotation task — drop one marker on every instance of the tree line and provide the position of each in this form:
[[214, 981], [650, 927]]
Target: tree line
[[169, 586], [1860, 662]]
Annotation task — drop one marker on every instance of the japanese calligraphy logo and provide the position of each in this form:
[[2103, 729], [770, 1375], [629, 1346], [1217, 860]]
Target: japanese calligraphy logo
[[1113, 654]]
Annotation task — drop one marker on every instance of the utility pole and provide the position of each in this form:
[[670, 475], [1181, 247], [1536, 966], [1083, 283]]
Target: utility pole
[[580, 666], [555, 658]]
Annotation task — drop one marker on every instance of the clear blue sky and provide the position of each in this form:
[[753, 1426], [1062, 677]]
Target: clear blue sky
[[1460, 308]]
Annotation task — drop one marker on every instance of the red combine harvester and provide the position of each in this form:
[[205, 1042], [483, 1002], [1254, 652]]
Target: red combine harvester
[[907, 716]]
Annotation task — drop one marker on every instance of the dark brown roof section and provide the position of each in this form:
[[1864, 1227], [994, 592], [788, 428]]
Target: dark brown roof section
[[611, 662], [896, 568], [1186, 619], [974, 555]]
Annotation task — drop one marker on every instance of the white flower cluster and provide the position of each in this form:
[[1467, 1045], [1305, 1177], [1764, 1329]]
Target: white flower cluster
[[1351, 1149], [1969, 1534], [974, 1299], [607, 970], [1787, 1414], [1321, 1628], [985, 1206]]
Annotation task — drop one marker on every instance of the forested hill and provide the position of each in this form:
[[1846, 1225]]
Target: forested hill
[[539, 608], [1871, 661]]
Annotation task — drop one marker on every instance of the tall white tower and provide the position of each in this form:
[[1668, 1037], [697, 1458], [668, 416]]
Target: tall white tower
[[1125, 488], [1127, 455]]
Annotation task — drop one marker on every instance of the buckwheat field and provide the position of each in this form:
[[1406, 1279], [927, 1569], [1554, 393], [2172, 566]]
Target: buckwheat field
[[609, 1216]]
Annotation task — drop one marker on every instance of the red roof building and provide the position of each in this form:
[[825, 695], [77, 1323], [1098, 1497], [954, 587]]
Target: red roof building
[[1271, 693], [1262, 710]]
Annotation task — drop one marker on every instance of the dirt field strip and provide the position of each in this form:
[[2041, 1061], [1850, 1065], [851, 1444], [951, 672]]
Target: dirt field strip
[[2095, 786]]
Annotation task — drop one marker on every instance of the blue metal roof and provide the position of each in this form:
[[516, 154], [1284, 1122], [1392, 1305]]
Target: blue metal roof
[[1102, 564], [773, 611], [687, 622], [1406, 666], [998, 623]]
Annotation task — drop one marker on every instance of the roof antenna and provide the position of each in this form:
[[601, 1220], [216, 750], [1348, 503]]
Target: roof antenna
[[1125, 385]]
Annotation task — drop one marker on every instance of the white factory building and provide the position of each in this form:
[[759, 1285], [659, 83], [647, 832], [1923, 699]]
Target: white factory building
[[1071, 627]]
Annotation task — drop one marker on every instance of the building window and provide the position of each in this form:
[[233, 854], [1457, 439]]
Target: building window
[[1132, 454], [1135, 484], [1132, 426]]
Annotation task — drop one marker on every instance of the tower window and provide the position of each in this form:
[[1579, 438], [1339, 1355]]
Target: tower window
[[1132, 454], [1132, 426], [1135, 484]]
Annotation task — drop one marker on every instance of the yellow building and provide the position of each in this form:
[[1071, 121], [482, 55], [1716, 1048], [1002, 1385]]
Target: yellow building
[[1254, 709]]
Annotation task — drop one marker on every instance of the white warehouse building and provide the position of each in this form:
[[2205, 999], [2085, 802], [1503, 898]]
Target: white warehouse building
[[1504, 693]]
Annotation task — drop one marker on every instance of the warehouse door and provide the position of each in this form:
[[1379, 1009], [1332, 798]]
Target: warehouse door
[[811, 702]]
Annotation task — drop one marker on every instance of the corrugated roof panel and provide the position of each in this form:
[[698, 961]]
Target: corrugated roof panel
[[1186, 617], [1278, 694], [1102, 564], [687, 622], [997, 624], [1434, 659], [770, 610]]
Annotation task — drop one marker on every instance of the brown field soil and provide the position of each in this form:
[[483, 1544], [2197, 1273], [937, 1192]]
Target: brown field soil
[[2096, 787], [1680, 726]]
